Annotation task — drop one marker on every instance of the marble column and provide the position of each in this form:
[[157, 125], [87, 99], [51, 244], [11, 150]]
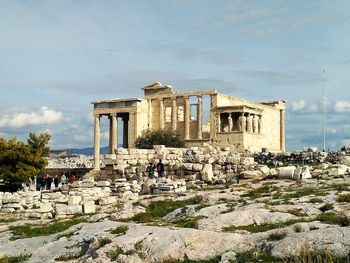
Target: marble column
[[282, 130], [125, 132], [161, 114], [97, 135], [187, 118], [113, 133], [199, 117], [218, 122], [149, 113], [173, 115], [132, 129]]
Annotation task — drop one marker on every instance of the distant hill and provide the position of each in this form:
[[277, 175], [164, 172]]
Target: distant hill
[[85, 151]]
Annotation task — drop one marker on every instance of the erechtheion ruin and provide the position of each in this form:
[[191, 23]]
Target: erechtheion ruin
[[232, 122]]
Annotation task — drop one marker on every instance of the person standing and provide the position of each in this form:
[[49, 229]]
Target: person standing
[[63, 179], [48, 182], [160, 169], [56, 181]]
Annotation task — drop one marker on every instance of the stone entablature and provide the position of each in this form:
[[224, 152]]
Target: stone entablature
[[232, 122]]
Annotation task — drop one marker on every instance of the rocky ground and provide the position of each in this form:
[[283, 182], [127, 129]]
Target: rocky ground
[[271, 220]]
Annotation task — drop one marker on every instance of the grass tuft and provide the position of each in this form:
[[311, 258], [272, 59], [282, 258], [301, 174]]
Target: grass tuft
[[304, 192], [334, 219], [264, 228], [114, 254], [326, 207], [344, 198], [315, 200], [259, 192], [28, 231], [158, 209], [120, 230], [298, 228], [104, 241], [18, 259], [277, 235], [188, 222]]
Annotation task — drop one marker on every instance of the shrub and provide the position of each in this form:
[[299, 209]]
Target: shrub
[[148, 138]]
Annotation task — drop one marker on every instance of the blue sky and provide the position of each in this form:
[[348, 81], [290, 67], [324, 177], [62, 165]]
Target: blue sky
[[58, 56]]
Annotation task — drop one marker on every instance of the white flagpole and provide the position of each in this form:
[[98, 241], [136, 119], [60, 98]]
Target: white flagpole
[[324, 113]]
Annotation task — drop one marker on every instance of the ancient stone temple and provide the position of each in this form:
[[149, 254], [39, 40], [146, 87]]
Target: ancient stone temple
[[231, 121]]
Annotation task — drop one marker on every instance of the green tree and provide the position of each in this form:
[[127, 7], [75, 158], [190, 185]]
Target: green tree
[[148, 138], [19, 161]]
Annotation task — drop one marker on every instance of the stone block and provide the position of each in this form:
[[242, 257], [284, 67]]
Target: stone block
[[46, 207], [62, 209], [87, 184], [207, 173], [74, 200], [252, 174], [103, 183], [89, 208], [107, 200]]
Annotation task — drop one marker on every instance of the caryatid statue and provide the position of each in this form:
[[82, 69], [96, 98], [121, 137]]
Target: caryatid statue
[[244, 123], [230, 123], [256, 124], [260, 127], [250, 123], [239, 124]]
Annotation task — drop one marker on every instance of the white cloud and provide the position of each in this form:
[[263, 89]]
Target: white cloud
[[298, 105], [342, 107], [44, 115]]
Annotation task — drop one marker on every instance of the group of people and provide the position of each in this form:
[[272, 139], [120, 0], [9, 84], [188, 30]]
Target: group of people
[[155, 169], [46, 181]]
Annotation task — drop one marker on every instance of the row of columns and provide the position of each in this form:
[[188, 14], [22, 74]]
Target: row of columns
[[251, 123], [113, 136], [187, 116]]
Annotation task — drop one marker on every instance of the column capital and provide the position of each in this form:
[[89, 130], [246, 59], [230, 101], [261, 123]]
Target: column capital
[[186, 97], [96, 115], [200, 97], [114, 114]]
